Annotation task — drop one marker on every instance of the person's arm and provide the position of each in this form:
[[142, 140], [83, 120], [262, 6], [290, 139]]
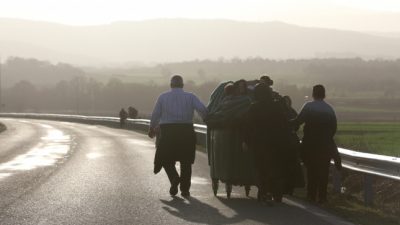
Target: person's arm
[[301, 118], [335, 155], [200, 108], [155, 118], [334, 123]]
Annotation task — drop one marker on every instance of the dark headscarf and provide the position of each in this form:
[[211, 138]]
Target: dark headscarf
[[262, 92]]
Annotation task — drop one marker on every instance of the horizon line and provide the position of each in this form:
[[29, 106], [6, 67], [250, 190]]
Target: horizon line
[[195, 19]]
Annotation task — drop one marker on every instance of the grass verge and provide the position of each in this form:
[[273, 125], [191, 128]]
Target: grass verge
[[353, 209], [350, 205]]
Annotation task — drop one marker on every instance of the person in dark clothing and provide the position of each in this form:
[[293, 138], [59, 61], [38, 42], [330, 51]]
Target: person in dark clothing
[[241, 87], [230, 89], [123, 115], [264, 79], [265, 132], [293, 171], [291, 113], [132, 112], [173, 114], [318, 146]]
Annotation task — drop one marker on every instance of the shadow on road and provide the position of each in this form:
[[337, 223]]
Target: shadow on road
[[195, 211], [277, 214], [243, 210]]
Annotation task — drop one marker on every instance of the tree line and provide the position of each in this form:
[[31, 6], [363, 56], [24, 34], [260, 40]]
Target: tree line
[[84, 95], [37, 86]]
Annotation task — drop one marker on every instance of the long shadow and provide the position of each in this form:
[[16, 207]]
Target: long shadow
[[244, 210], [195, 211], [276, 214]]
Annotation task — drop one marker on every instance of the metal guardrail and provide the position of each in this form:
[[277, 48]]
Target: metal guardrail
[[373, 164], [133, 124], [370, 165]]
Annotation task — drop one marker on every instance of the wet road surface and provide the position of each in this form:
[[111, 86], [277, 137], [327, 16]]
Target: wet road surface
[[68, 173]]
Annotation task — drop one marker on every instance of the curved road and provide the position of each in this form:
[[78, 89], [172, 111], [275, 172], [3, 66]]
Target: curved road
[[67, 173]]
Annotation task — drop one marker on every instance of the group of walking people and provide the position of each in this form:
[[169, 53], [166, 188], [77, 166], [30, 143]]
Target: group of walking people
[[124, 115], [268, 126]]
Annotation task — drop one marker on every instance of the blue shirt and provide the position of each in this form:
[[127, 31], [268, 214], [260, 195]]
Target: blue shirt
[[176, 106], [319, 118], [315, 107]]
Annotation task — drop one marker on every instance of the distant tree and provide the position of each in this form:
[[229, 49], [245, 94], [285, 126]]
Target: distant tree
[[22, 96], [201, 73], [165, 72]]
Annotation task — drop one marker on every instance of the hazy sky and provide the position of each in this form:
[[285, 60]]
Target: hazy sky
[[369, 15]]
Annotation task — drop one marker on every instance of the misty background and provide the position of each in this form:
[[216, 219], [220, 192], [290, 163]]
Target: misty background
[[125, 44], [98, 69]]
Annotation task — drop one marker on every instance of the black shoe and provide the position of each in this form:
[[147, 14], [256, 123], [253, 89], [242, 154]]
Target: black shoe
[[185, 194], [174, 187]]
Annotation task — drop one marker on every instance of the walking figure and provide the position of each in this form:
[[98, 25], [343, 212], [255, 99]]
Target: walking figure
[[318, 146], [173, 113], [123, 115]]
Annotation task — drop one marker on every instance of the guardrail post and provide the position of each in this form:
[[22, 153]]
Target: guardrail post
[[368, 190], [337, 180]]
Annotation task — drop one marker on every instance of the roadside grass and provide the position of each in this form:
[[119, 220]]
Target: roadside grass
[[372, 137], [350, 206], [353, 209]]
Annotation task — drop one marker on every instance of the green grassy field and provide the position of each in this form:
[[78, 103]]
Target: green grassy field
[[358, 109], [372, 137]]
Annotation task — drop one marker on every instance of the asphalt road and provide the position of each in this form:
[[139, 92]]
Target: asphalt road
[[67, 173]]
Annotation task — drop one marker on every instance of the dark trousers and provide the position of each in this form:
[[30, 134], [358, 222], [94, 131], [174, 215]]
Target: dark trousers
[[317, 179], [186, 175]]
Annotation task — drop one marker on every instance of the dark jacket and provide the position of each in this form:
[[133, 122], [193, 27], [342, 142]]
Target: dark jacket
[[265, 131]]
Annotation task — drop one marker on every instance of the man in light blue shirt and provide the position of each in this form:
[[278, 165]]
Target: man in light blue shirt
[[173, 113]]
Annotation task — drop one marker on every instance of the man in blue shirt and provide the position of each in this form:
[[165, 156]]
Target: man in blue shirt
[[318, 146], [173, 113]]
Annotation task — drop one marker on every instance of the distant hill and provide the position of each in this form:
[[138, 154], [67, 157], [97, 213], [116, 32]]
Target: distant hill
[[39, 73], [386, 34], [172, 40]]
